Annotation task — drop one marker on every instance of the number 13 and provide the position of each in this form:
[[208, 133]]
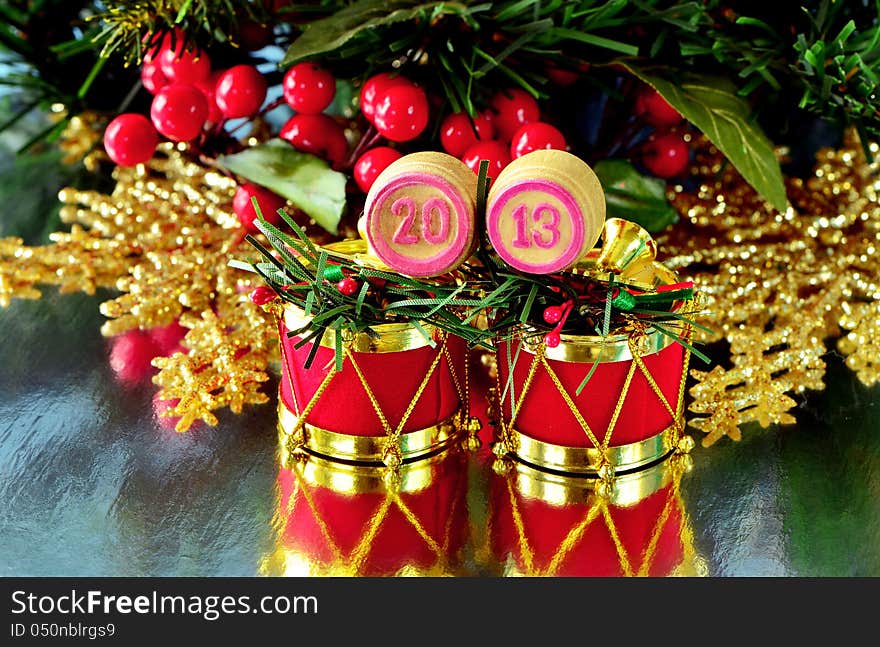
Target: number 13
[[520, 216]]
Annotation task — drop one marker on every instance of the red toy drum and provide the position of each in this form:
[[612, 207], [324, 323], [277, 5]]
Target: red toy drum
[[544, 524], [339, 519], [396, 398], [629, 414]]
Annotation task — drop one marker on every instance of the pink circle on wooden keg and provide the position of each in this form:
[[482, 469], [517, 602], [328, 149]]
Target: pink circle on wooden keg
[[417, 222], [536, 226]]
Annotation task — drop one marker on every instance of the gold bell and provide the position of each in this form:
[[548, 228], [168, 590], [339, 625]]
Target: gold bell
[[625, 247]]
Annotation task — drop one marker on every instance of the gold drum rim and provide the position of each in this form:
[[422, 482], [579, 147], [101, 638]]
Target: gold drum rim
[[614, 348], [362, 449], [567, 489], [391, 337], [589, 460], [590, 348], [353, 479]]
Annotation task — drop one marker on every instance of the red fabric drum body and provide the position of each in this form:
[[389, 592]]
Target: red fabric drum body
[[628, 415], [395, 399]]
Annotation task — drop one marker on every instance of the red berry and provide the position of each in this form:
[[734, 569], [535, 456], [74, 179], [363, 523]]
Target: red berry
[[348, 286], [240, 91], [666, 156], [263, 295], [269, 204], [185, 66], [457, 132], [130, 139], [167, 338], [308, 88], [317, 134], [494, 151], [375, 88], [653, 108], [402, 113], [153, 51], [153, 77], [208, 88], [561, 76], [131, 356], [371, 163], [552, 339], [160, 406], [536, 136], [179, 112], [552, 314], [254, 35], [514, 108]]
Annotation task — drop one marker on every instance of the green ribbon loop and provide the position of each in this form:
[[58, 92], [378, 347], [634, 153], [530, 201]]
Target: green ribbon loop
[[333, 273], [624, 301]]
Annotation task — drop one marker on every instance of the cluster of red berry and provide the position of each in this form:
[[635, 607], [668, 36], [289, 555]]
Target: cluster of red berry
[[666, 153], [509, 129], [188, 96], [399, 110], [189, 100], [309, 90]]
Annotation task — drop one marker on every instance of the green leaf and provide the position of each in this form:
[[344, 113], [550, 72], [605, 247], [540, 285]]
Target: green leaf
[[330, 33], [633, 196], [303, 179], [712, 105]]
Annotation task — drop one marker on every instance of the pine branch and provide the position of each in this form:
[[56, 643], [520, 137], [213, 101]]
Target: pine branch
[[824, 60]]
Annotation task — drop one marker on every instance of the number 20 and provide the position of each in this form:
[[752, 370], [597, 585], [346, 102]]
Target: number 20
[[520, 216], [406, 207]]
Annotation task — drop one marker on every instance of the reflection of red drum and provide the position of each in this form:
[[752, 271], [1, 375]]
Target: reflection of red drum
[[543, 524], [630, 410], [338, 519], [395, 385]]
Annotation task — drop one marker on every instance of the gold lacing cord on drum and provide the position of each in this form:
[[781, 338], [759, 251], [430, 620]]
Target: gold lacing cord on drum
[[509, 440], [354, 563], [599, 508], [679, 408], [392, 456], [464, 421]]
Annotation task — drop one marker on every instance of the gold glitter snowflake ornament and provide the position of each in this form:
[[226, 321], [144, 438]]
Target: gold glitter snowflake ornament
[[163, 238], [777, 285]]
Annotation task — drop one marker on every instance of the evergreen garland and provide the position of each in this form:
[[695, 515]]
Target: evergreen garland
[[822, 57]]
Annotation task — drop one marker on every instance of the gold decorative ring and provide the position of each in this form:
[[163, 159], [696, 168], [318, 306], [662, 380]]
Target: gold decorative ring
[[353, 479], [389, 338], [588, 460], [568, 489], [588, 348], [363, 449]]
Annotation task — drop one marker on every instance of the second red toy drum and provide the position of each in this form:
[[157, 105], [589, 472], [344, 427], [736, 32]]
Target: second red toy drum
[[629, 414], [395, 399]]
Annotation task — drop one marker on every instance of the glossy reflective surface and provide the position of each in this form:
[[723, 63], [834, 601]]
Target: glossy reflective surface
[[91, 484]]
